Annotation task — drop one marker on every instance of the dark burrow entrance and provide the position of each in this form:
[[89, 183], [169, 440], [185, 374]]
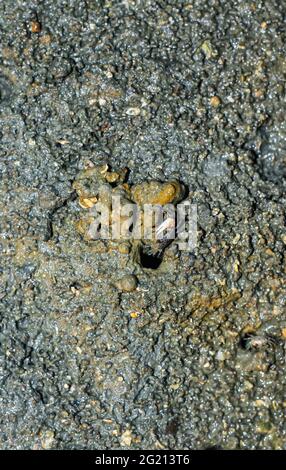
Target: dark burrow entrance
[[149, 260]]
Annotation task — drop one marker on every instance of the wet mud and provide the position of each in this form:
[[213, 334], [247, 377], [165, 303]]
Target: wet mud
[[98, 350]]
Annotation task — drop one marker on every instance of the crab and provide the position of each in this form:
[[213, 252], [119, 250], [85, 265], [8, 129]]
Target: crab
[[100, 184], [255, 341]]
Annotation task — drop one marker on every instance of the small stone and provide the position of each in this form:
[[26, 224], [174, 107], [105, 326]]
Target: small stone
[[236, 266], [248, 385], [62, 141], [47, 439], [215, 101], [107, 421], [127, 283], [111, 176], [220, 356], [261, 403], [134, 314], [258, 93], [206, 365], [102, 101], [87, 202], [207, 49], [133, 111], [175, 386], [36, 27], [158, 445], [126, 438], [236, 239], [269, 252], [75, 291]]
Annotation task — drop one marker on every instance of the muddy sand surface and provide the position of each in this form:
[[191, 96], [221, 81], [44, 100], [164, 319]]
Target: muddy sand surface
[[193, 355]]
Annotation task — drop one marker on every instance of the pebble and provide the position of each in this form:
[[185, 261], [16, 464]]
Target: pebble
[[133, 111], [36, 27], [47, 439], [87, 202], [215, 101], [127, 283], [126, 438]]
